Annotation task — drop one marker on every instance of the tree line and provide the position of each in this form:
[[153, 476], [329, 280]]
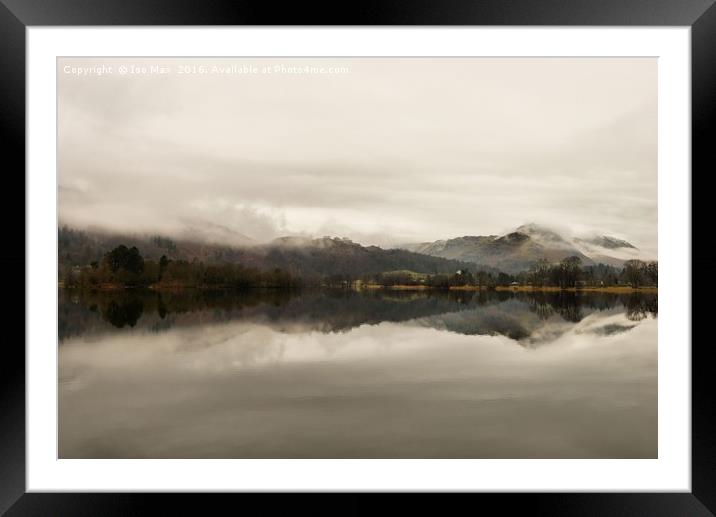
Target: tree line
[[568, 273], [125, 267]]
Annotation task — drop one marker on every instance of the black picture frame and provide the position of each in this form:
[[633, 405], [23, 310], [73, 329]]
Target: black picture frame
[[17, 15]]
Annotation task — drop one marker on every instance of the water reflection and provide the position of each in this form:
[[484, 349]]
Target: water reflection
[[512, 314], [378, 374]]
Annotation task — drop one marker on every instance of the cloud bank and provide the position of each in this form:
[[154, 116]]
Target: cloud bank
[[389, 150]]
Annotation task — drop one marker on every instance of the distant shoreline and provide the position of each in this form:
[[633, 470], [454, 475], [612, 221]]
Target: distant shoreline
[[610, 289], [517, 288], [173, 287]]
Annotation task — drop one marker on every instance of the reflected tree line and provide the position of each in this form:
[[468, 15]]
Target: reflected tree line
[[327, 310], [569, 305], [124, 308]]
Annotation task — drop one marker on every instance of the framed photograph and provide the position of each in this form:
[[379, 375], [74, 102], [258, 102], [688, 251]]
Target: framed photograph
[[419, 253]]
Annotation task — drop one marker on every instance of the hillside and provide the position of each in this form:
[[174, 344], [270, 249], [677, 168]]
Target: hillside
[[302, 256], [520, 249]]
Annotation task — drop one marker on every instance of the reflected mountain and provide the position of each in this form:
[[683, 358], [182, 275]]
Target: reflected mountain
[[611, 329], [530, 318]]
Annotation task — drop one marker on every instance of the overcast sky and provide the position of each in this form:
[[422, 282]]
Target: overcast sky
[[385, 151]]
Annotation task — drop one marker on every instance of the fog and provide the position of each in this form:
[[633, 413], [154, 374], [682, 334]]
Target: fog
[[386, 151]]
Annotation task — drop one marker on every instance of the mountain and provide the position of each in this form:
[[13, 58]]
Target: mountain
[[336, 256], [211, 233], [607, 250], [605, 241], [306, 257], [520, 249]]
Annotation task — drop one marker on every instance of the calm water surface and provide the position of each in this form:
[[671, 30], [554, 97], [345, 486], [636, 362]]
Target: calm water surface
[[336, 374]]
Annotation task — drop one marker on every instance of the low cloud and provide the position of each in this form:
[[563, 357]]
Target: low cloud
[[396, 150]]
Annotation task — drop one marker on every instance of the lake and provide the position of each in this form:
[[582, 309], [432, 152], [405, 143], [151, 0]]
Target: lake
[[346, 374]]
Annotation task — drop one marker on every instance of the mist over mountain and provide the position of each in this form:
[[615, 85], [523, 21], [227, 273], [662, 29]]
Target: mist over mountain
[[518, 250], [307, 257], [606, 241]]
